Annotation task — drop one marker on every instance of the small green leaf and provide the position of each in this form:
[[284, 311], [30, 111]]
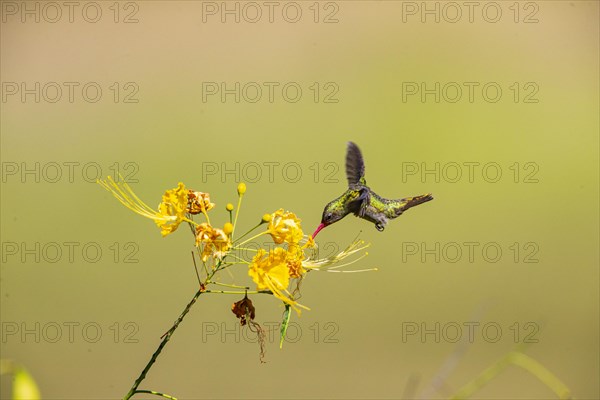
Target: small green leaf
[[284, 325], [24, 387]]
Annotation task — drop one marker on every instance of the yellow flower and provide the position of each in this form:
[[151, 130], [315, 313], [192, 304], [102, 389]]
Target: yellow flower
[[270, 271], [171, 212], [310, 242], [285, 227], [216, 242], [296, 257], [198, 202], [294, 263], [174, 204]]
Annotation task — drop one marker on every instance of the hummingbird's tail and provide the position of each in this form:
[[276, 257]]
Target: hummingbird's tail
[[410, 202]]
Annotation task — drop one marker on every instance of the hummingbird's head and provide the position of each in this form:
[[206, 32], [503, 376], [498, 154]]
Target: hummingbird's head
[[332, 213]]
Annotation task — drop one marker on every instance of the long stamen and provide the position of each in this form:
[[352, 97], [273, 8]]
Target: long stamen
[[346, 264]]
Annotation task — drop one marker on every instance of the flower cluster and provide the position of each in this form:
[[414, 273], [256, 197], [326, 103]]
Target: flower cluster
[[277, 271]]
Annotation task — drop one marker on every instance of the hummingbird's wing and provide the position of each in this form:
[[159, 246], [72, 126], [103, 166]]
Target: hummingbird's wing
[[355, 167], [355, 172], [359, 205]]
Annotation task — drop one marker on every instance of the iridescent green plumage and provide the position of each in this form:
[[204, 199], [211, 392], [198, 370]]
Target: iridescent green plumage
[[360, 200]]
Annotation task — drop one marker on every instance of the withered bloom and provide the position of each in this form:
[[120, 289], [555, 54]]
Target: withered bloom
[[198, 202], [215, 241], [244, 310]]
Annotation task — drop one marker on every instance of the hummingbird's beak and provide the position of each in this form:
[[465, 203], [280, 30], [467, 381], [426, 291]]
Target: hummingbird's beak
[[318, 230]]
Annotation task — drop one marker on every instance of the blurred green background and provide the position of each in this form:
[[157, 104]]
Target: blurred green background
[[354, 342]]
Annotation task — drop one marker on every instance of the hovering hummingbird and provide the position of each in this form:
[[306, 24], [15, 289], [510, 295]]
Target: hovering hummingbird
[[360, 200]]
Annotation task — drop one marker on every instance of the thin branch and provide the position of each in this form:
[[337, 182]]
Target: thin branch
[[166, 396], [163, 343], [196, 269]]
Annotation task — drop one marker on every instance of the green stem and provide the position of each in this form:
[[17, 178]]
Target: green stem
[[166, 396], [206, 215], [239, 260], [237, 212], [259, 224], [252, 238], [239, 291], [163, 343], [228, 285]]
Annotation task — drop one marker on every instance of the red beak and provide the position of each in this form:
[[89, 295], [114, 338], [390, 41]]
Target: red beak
[[318, 230]]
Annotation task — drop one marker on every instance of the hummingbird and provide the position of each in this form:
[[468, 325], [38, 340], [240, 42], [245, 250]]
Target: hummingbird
[[360, 200]]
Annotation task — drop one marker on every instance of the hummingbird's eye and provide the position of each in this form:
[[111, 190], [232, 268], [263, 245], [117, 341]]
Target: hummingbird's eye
[[328, 216]]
